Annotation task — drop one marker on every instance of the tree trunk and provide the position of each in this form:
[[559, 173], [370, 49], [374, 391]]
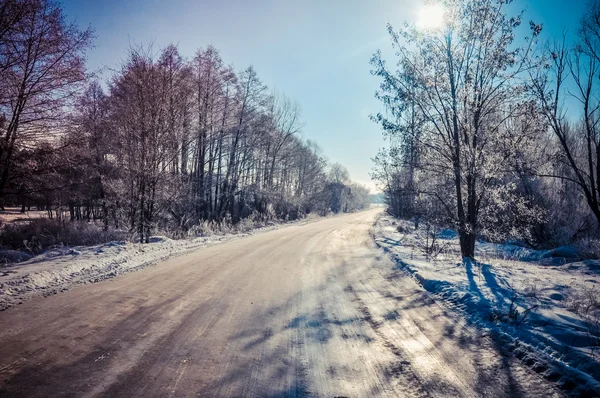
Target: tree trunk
[[467, 244]]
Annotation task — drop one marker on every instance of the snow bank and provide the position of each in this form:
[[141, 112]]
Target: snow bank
[[13, 256], [57, 269], [524, 298], [60, 268]]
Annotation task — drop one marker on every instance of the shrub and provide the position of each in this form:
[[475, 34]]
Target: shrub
[[41, 234], [245, 225], [585, 302]]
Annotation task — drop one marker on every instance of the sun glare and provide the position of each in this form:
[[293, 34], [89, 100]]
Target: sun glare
[[430, 17]]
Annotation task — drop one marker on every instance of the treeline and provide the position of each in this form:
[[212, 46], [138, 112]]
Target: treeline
[[168, 143], [491, 130]]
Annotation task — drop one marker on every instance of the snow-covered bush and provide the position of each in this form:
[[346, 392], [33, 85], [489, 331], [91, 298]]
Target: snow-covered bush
[[43, 233]]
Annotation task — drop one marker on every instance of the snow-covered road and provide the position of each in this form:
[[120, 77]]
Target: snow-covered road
[[306, 310]]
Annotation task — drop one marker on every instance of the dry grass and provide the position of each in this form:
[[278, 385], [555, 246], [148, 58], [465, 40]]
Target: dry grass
[[40, 234]]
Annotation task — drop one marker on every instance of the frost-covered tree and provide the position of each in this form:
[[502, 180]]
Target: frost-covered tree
[[338, 174], [465, 79], [396, 165]]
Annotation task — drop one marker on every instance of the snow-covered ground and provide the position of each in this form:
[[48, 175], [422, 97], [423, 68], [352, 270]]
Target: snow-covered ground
[[543, 305], [59, 269]]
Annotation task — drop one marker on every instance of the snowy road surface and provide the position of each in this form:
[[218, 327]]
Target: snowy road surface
[[309, 310]]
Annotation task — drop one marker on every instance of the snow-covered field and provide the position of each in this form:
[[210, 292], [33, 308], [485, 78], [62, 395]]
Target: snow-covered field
[[543, 305], [61, 268]]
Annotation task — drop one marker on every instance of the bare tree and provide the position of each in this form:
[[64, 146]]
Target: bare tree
[[41, 70], [338, 174], [285, 115], [577, 67]]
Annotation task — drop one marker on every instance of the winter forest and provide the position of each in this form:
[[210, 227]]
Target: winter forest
[[412, 183], [171, 143], [493, 127]]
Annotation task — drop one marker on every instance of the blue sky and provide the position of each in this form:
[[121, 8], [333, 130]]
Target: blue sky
[[315, 51]]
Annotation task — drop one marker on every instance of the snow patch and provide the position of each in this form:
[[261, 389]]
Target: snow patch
[[521, 296]]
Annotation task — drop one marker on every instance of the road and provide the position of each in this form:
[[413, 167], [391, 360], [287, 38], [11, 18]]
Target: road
[[306, 310]]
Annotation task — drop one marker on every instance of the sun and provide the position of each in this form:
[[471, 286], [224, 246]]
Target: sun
[[431, 16]]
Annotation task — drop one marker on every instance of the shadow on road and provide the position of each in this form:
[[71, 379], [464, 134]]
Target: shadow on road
[[275, 355]]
